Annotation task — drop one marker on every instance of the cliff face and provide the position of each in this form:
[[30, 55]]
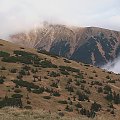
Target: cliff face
[[90, 45]]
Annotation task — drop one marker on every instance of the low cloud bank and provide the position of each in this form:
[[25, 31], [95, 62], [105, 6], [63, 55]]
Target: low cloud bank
[[113, 66]]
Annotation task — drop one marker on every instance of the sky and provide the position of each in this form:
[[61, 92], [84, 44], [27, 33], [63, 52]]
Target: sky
[[18, 15]]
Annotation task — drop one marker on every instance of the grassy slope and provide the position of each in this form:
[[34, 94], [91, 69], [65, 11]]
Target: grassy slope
[[18, 114], [37, 101]]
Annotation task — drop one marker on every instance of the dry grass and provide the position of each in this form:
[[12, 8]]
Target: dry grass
[[17, 114], [37, 101]]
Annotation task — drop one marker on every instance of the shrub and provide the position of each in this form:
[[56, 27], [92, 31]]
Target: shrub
[[79, 76], [28, 102], [13, 59], [22, 48], [25, 84], [54, 84], [96, 83], [61, 114], [17, 96], [3, 77], [87, 91], [78, 105], [90, 77], [79, 81], [95, 107], [111, 81], [69, 80], [100, 90], [65, 73], [1, 80], [17, 91], [116, 98], [83, 111], [38, 91], [19, 76], [3, 68], [56, 93], [96, 75], [47, 64], [82, 96], [70, 88], [87, 65], [34, 70], [47, 53], [47, 97], [4, 54], [28, 107], [107, 88], [69, 108], [22, 72], [108, 77], [66, 61], [112, 112], [62, 101], [22, 57], [109, 96], [1, 44], [25, 54], [68, 68], [113, 97], [54, 74], [13, 70], [26, 67], [45, 77], [94, 71], [110, 105], [11, 102]]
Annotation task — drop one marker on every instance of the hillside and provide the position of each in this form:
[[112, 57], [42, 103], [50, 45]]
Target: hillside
[[91, 45], [32, 79]]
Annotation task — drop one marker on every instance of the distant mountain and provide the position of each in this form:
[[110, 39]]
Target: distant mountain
[[90, 45]]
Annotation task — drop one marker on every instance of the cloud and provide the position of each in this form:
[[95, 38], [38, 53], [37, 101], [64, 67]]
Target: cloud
[[113, 66], [17, 15]]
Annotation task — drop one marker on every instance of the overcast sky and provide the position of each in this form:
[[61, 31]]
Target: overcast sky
[[16, 15]]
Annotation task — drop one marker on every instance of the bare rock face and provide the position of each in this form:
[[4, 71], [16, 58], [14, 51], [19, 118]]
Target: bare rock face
[[90, 45]]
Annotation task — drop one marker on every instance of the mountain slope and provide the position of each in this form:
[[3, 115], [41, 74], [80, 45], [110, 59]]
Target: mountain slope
[[32, 79], [90, 45]]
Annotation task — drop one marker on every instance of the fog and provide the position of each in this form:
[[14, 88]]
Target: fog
[[18, 15], [113, 66]]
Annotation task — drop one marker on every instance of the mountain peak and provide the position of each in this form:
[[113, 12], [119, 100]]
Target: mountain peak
[[73, 42]]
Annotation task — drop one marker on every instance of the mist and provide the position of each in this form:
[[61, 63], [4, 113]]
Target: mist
[[23, 15], [19, 15], [113, 66]]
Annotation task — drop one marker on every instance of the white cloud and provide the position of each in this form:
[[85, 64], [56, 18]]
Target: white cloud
[[113, 66], [16, 15]]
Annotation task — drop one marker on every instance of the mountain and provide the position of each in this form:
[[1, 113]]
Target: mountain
[[90, 45], [33, 79]]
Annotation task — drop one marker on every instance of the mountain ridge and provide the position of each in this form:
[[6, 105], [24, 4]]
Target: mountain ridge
[[70, 42]]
